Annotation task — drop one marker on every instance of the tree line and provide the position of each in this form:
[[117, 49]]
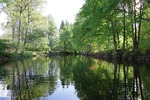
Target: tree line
[[116, 25]]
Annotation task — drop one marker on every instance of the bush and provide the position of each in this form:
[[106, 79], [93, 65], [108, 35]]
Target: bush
[[3, 45]]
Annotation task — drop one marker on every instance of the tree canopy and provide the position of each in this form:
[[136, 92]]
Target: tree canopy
[[116, 25]]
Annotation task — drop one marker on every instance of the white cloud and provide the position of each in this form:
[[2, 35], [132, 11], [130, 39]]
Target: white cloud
[[63, 9]]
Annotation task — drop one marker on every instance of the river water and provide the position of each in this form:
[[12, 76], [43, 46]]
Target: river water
[[73, 78]]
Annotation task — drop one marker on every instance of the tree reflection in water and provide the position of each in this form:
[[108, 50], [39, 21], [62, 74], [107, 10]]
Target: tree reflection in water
[[31, 80], [93, 79], [100, 80]]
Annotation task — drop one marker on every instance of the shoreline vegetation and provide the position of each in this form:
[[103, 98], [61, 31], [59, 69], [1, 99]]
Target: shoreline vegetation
[[119, 56], [12, 56], [127, 57]]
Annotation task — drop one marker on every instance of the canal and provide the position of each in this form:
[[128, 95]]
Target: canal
[[73, 78]]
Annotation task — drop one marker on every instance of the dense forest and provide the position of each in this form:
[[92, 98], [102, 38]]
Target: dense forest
[[119, 27]]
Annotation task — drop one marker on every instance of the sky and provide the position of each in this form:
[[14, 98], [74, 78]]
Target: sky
[[58, 9], [2, 20], [63, 9]]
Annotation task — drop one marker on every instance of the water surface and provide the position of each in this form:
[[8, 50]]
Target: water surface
[[73, 78]]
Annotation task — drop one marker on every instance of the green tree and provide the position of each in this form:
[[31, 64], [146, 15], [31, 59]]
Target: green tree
[[65, 35], [52, 32], [22, 18], [110, 25]]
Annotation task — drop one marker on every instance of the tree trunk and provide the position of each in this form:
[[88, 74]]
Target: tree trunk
[[140, 22], [135, 46], [19, 30], [124, 26], [26, 32], [25, 40], [137, 29], [114, 36], [13, 31]]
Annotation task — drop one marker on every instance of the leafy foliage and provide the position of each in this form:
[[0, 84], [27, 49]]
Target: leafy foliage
[[65, 36], [3, 44], [105, 25]]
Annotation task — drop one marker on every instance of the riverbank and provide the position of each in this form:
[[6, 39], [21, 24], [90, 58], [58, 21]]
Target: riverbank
[[61, 53], [6, 57], [12, 56], [120, 57]]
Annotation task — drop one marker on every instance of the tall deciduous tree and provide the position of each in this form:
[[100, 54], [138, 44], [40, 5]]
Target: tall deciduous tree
[[115, 24], [21, 14]]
